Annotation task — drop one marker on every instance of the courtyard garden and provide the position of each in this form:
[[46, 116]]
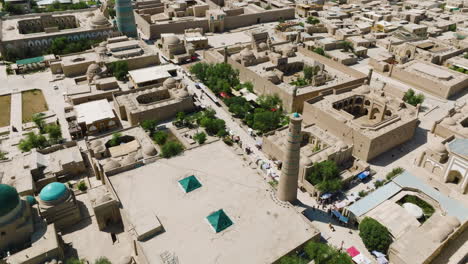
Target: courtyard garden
[[325, 176], [263, 115], [32, 102], [5, 108]]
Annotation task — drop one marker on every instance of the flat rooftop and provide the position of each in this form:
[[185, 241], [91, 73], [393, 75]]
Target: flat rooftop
[[152, 73], [10, 31], [263, 230], [434, 72], [93, 111]]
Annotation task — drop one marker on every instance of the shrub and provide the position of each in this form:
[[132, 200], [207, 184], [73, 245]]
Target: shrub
[[374, 235], [228, 141], [363, 193], [292, 260], [200, 137], [55, 133], [115, 140], [378, 184], [411, 98], [3, 155], [313, 20], [102, 260], [82, 186], [119, 69], [171, 149], [149, 125], [32, 141], [160, 137], [396, 171], [319, 51]]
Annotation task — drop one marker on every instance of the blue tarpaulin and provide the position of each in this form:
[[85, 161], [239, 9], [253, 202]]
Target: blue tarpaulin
[[363, 175], [336, 213], [343, 219]]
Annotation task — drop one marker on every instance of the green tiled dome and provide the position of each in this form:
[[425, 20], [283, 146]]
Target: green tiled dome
[[53, 191], [9, 199]]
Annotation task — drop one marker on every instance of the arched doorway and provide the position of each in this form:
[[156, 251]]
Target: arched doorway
[[374, 112], [454, 176]]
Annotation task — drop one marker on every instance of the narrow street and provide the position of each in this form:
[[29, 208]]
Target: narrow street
[[245, 138]]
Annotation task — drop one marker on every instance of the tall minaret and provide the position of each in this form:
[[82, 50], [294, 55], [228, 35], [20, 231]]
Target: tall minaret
[[125, 18], [287, 189]]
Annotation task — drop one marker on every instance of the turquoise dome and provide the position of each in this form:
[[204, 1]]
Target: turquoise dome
[[9, 199], [53, 191], [31, 200]]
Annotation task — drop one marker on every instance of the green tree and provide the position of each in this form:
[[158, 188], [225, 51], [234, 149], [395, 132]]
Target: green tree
[[119, 69], [292, 260], [102, 260], [347, 46], [313, 20], [82, 186], [38, 120], [200, 137], [160, 137], [32, 141], [325, 176], [213, 126], [238, 105], [171, 148], [319, 51], [3, 155], [264, 120], [452, 27], [219, 77], [309, 72], [13, 9], [411, 98], [55, 133], [115, 140], [74, 261], [149, 125], [374, 235], [269, 102]]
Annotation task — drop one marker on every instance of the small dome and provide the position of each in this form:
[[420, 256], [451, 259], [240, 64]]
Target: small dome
[[183, 94], [31, 200], [306, 162], [315, 158], [93, 69], [128, 160], [53, 191], [111, 164], [171, 40], [99, 20], [125, 260], [96, 143], [452, 221], [262, 46], [246, 53], [99, 149], [9, 199], [341, 145], [438, 147], [169, 83], [323, 156], [449, 121], [149, 150], [365, 89]]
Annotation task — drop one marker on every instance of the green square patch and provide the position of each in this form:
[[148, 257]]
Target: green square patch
[[219, 220], [190, 183]]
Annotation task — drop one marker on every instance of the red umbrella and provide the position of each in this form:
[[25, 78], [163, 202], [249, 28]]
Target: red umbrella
[[352, 251]]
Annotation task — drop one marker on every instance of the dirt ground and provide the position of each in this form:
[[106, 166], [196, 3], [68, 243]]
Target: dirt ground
[[33, 102], [5, 108]]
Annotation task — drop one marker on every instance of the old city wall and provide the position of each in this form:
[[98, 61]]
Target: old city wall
[[391, 139], [164, 112], [419, 82], [232, 22]]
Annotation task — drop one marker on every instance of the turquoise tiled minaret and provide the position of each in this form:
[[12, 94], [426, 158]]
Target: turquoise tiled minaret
[[125, 18]]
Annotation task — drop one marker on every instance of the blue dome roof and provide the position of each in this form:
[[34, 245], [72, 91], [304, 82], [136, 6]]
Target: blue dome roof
[[9, 199], [53, 191], [31, 200]]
